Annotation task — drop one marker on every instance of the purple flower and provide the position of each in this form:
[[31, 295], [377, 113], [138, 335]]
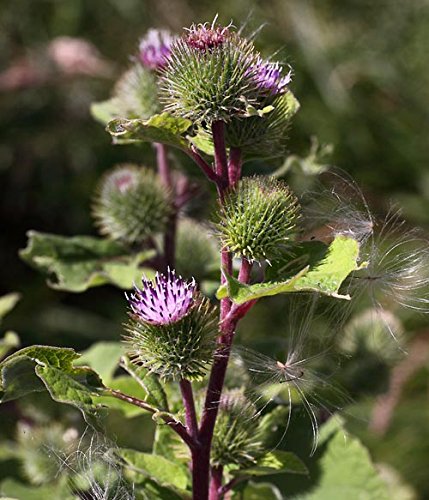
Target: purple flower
[[154, 48], [205, 38], [268, 77], [164, 301]]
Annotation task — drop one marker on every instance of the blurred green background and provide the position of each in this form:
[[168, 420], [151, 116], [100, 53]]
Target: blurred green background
[[361, 73]]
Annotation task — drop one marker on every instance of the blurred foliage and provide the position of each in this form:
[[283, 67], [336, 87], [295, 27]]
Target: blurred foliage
[[362, 78]]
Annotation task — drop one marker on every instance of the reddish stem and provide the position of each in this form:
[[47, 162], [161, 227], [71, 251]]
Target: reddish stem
[[216, 483], [234, 166], [204, 166], [190, 413], [221, 160]]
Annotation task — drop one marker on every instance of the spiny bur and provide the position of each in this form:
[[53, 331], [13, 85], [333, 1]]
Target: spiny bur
[[131, 204], [258, 218], [172, 328]]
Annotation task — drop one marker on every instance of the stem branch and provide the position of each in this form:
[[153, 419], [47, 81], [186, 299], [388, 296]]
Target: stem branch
[[168, 418]]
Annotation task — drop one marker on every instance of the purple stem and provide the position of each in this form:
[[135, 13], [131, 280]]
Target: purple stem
[[216, 483], [205, 167], [190, 413], [234, 166], [221, 160]]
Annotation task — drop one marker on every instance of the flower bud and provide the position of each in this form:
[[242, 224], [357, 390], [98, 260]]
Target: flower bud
[[210, 75], [155, 48], [236, 439], [131, 204], [258, 218], [172, 329]]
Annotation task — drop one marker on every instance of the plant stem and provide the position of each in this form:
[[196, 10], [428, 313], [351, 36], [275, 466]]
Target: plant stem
[[234, 166], [170, 233], [190, 413], [204, 166], [168, 418], [221, 160], [225, 175], [216, 483]]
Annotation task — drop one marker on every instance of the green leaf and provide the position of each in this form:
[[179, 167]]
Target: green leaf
[[258, 491], [155, 394], [157, 468], [325, 276], [163, 128], [81, 262], [38, 367], [346, 471], [105, 111], [275, 462], [103, 357], [7, 303], [8, 342]]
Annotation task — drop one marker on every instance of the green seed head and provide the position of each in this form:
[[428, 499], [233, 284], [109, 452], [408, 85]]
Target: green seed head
[[131, 204], [258, 218], [236, 439], [179, 350], [209, 75]]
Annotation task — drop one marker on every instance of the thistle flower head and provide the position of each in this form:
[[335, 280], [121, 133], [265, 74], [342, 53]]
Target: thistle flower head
[[269, 78], [131, 204], [209, 75], [258, 218], [164, 301], [154, 48], [172, 329]]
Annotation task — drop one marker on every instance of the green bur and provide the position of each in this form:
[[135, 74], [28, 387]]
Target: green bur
[[258, 218], [131, 204]]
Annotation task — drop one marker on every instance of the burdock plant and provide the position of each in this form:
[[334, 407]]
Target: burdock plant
[[209, 93]]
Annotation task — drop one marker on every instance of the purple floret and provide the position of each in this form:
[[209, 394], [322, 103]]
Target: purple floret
[[164, 301], [269, 78], [155, 48]]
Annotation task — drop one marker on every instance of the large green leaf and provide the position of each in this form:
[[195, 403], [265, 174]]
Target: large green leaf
[[324, 276], [159, 469], [163, 128], [38, 367], [275, 462], [81, 262], [346, 471], [103, 357], [155, 394]]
